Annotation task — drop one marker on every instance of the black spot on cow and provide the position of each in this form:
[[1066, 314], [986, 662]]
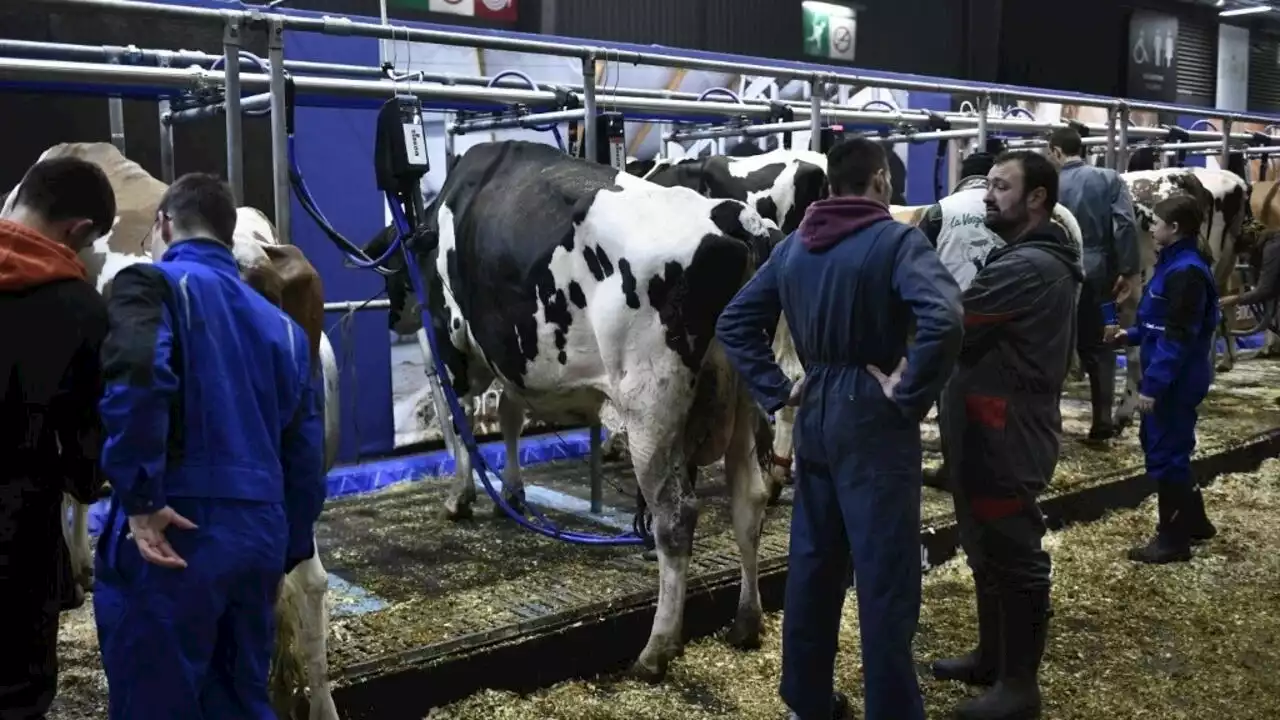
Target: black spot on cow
[[597, 262], [629, 284], [768, 209], [728, 218], [576, 296], [810, 186], [689, 299]]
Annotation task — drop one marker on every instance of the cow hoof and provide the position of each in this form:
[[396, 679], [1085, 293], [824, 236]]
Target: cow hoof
[[458, 513], [650, 555], [1224, 367], [76, 601], [652, 672], [745, 633], [516, 504]]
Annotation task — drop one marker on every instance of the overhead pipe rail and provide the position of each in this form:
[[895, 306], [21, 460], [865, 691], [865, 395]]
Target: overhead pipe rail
[[344, 26]]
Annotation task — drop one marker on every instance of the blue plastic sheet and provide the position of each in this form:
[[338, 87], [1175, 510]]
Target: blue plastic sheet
[[368, 477]]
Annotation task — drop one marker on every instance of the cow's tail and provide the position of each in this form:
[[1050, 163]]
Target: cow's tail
[[288, 675]]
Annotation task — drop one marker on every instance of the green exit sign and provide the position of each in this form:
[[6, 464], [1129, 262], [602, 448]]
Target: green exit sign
[[830, 30]]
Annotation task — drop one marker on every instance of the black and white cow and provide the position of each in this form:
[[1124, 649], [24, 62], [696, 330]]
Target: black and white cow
[[1224, 198], [574, 286], [780, 185]]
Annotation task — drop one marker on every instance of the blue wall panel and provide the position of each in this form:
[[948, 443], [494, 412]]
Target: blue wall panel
[[335, 154]]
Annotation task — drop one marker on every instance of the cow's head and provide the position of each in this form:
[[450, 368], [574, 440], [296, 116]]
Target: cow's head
[[741, 221], [404, 315]]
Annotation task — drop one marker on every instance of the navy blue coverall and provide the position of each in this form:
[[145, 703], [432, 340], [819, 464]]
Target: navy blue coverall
[[850, 281], [211, 408], [1175, 328]]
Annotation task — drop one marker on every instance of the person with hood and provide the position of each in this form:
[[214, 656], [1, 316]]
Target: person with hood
[[1100, 202], [1000, 427], [851, 281], [53, 322], [1175, 329], [214, 453]]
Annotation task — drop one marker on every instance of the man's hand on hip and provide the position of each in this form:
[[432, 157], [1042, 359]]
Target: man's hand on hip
[[888, 382], [148, 532]]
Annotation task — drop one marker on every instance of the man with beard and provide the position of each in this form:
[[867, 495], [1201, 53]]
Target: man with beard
[[851, 280], [1000, 428]]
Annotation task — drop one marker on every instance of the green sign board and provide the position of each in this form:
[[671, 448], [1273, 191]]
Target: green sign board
[[830, 30]]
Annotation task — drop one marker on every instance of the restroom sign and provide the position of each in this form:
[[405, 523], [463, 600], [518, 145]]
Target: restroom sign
[[1153, 56], [830, 30]]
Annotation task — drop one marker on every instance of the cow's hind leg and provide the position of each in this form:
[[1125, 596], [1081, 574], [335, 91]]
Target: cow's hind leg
[[748, 498], [1227, 361], [656, 444], [458, 505], [1128, 406], [78, 544], [511, 419], [313, 581]]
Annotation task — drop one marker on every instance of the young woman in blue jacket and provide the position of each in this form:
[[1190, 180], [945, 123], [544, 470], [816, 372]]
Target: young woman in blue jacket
[[1175, 330]]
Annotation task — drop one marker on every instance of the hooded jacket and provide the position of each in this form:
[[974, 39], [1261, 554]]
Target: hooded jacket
[[1019, 318], [850, 280], [50, 381]]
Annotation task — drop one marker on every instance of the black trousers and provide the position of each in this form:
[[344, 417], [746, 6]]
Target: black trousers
[[1097, 359], [35, 573]]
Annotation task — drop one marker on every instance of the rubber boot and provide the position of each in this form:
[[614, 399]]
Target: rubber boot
[[1102, 395], [980, 667], [840, 709], [1171, 542], [1199, 529], [1024, 629]]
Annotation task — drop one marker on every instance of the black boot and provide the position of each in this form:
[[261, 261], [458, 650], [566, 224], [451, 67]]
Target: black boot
[[1199, 529], [1102, 395], [1171, 542], [839, 708], [1016, 694], [982, 666]]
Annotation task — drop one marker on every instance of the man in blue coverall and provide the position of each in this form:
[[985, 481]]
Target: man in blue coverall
[[851, 280], [214, 452]]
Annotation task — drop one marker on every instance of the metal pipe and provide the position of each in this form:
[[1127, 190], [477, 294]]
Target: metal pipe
[[462, 127], [953, 164], [166, 142], [597, 477], [279, 130], [590, 132], [815, 116], [357, 305], [115, 114], [235, 142], [1122, 139], [924, 136], [329, 25], [253, 103], [1111, 138], [1226, 143], [1220, 146], [983, 123]]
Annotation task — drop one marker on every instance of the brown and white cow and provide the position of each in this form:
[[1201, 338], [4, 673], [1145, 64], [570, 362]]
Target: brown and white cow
[[1224, 197], [284, 276]]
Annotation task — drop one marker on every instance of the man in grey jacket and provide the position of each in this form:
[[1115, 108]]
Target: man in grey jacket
[[1100, 202]]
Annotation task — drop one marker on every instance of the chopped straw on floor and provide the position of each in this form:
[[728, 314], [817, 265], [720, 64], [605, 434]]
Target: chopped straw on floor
[[1186, 641]]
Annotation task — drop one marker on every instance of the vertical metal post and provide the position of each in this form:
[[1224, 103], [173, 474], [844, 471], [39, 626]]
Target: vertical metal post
[[1122, 139], [1226, 144], [115, 109], [954, 155], [166, 142], [815, 114], [597, 477], [235, 144], [279, 130], [589, 113], [115, 115], [1111, 138], [984, 102]]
